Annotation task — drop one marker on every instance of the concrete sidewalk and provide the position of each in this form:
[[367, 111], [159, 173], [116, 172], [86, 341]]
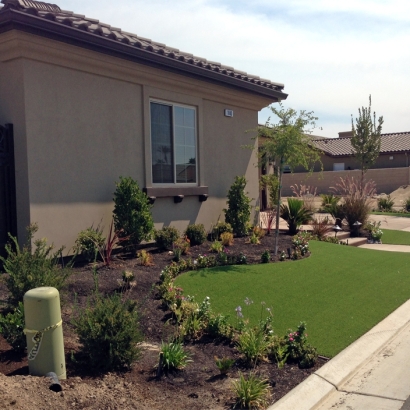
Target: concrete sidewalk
[[372, 373]]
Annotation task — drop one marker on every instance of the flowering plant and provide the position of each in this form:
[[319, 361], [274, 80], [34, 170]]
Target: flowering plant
[[375, 231], [301, 243]]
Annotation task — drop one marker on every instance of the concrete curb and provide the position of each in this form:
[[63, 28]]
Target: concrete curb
[[309, 394]]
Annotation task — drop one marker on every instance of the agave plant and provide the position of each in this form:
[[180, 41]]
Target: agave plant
[[295, 214]]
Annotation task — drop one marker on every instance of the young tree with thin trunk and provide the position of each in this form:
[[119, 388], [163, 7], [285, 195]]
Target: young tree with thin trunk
[[287, 143], [366, 138]]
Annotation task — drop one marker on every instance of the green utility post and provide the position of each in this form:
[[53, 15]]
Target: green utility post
[[44, 332]]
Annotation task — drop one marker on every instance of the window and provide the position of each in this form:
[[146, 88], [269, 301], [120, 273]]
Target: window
[[339, 166], [173, 144]]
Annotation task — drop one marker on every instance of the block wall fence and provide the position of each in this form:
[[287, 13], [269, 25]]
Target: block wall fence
[[387, 179]]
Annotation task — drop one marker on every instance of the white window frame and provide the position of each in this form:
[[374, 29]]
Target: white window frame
[[174, 183]]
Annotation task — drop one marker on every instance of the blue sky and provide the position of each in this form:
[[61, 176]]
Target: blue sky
[[329, 54]]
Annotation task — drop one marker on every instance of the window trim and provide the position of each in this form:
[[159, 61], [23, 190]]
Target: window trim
[[197, 176]]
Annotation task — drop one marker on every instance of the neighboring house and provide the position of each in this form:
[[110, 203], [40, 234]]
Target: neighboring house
[[89, 103], [390, 170]]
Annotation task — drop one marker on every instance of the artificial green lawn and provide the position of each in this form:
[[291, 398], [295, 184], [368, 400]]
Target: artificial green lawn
[[396, 237], [340, 291]]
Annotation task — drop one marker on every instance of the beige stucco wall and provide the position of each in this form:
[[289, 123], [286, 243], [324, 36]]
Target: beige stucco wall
[[387, 180], [83, 119]]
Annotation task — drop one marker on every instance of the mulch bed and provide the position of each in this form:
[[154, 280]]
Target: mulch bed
[[199, 386]]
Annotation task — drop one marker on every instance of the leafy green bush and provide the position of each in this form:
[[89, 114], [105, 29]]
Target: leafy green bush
[[166, 236], [174, 356], [253, 344], [108, 330], [265, 257], [220, 228], [227, 238], [27, 270], [239, 208], [406, 205], [11, 328], [132, 212], [196, 234], [224, 364], [298, 348], [216, 246], [329, 201], [88, 242], [251, 393], [295, 214], [385, 204]]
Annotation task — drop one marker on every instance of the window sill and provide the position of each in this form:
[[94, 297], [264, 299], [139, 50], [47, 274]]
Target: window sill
[[177, 192]]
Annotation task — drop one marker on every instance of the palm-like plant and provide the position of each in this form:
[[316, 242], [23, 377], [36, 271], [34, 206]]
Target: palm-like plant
[[295, 214]]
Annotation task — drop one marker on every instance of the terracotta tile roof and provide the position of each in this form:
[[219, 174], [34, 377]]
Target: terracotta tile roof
[[54, 20], [390, 143]]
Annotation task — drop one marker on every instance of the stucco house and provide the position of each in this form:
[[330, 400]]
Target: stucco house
[[88, 103], [390, 171]]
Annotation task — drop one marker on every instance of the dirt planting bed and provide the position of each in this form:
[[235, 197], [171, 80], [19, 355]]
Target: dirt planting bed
[[198, 386]]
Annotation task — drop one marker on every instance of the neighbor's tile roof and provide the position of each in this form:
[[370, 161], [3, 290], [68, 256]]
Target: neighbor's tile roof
[[390, 143], [148, 49]]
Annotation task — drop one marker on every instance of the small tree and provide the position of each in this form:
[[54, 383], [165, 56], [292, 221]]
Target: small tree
[[239, 208], [366, 138], [132, 212], [287, 142]]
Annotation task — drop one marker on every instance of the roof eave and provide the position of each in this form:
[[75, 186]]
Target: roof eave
[[14, 20]]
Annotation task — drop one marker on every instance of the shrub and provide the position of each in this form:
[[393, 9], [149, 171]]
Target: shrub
[[259, 232], [385, 204], [196, 234], [298, 348], [166, 237], [218, 326], [321, 227], [406, 205], [174, 356], [11, 328], [241, 259], [356, 199], [220, 228], [27, 270], [109, 332], [216, 246], [239, 208], [329, 201], [87, 243], [227, 238], [265, 258], [132, 212], [145, 258], [268, 219], [182, 245], [224, 364], [295, 214], [251, 393], [301, 244], [253, 239], [253, 344]]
